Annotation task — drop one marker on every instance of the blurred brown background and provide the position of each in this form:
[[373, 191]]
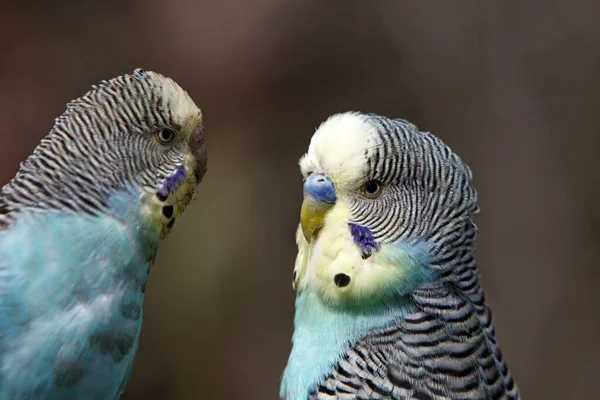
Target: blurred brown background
[[513, 87]]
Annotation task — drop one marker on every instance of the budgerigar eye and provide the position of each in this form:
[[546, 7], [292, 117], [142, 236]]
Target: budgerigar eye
[[371, 189], [165, 135]]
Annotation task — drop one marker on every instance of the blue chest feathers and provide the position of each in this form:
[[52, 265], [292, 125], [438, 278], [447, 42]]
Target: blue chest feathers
[[322, 334], [71, 298]]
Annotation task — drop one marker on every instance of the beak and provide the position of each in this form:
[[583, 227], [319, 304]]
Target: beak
[[319, 198], [196, 143]]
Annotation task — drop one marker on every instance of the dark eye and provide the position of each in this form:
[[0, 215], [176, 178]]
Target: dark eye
[[165, 135], [372, 189]]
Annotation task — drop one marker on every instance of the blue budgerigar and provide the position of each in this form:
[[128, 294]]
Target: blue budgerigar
[[80, 225], [388, 301]]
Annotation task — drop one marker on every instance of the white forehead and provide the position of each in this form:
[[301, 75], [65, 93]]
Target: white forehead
[[185, 112], [339, 149]]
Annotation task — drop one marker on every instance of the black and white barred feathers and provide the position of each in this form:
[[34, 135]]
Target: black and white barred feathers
[[107, 140], [444, 350], [415, 316]]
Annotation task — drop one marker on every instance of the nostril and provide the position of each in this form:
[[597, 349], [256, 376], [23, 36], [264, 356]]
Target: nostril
[[320, 187]]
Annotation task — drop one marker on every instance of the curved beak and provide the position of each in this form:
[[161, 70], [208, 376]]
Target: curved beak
[[319, 198], [196, 143]]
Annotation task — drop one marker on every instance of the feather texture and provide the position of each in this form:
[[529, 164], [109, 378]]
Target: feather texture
[[410, 320], [80, 225], [71, 305]]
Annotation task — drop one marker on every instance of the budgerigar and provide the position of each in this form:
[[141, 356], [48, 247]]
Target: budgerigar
[[388, 301], [80, 225]]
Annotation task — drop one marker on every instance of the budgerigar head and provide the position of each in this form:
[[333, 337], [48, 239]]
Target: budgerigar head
[[139, 132], [386, 208]]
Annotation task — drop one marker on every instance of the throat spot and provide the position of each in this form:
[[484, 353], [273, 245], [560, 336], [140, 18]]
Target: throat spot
[[170, 198], [341, 280], [168, 211]]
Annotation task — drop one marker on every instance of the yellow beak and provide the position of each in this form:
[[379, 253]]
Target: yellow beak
[[312, 216]]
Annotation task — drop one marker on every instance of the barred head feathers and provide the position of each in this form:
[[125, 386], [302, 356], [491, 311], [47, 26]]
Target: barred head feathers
[[129, 133], [400, 193]]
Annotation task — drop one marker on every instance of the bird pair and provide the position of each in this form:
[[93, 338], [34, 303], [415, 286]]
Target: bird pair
[[388, 302]]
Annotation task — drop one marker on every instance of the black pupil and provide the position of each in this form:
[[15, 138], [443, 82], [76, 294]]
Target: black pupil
[[166, 135], [371, 187]]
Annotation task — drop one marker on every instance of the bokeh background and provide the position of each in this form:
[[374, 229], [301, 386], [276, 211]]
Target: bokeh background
[[512, 86]]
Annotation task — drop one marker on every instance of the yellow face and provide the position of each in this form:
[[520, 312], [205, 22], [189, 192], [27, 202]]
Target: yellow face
[[329, 260], [162, 212], [165, 202]]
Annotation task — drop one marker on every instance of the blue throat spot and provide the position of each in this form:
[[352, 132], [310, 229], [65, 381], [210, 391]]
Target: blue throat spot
[[171, 183], [363, 237]]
